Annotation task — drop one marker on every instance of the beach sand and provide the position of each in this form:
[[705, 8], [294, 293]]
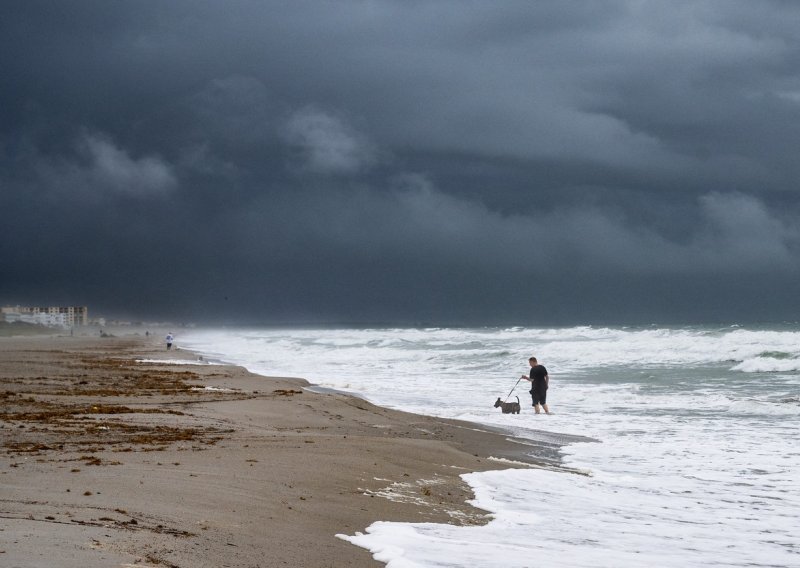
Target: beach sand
[[107, 461]]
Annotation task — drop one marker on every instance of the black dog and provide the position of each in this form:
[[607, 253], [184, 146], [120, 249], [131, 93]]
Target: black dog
[[508, 407]]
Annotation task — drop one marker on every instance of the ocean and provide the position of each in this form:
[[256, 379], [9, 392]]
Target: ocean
[[694, 458]]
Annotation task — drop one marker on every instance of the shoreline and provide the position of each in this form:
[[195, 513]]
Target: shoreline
[[109, 462]]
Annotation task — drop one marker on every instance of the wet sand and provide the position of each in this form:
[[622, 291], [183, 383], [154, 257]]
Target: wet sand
[[107, 461]]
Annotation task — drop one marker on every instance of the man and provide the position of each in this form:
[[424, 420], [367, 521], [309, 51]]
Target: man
[[169, 341], [539, 382]]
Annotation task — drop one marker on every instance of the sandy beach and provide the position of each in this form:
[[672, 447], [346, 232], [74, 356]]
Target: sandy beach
[[110, 460]]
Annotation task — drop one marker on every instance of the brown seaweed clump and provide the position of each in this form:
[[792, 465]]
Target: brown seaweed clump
[[89, 403]]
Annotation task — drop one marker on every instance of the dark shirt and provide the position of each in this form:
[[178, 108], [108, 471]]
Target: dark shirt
[[538, 376]]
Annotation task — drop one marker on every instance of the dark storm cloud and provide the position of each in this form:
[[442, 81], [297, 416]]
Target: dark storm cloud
[[418, 162]]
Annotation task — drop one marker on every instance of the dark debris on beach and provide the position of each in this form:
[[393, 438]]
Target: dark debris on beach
[[90, 404]]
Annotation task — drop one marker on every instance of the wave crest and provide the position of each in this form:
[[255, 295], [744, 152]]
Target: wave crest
[[768, 365]]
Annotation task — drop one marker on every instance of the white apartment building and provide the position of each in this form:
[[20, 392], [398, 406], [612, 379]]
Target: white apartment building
[[53, 316], [49, 320]]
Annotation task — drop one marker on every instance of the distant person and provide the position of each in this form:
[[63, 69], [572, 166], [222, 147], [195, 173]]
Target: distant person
[[169, 341], [540, 380]]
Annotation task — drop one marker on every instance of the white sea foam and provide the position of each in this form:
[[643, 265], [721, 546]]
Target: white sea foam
[[768, 365], [173, 362], [695, 465]]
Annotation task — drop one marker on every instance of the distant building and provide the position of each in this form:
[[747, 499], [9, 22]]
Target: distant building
[[53, 316], [49, 320]]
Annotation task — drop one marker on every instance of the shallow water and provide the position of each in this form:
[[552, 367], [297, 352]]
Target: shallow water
[[697, 459]]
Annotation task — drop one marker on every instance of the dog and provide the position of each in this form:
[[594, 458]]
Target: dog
[[508, 407]]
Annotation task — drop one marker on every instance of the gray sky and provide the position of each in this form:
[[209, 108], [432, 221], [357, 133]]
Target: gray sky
[[527, 163]]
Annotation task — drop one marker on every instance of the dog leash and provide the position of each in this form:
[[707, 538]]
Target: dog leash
[[512, 389]]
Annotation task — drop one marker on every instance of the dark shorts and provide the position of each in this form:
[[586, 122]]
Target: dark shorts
[[539, 395]]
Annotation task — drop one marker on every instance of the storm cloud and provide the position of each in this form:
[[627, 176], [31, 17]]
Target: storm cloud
[[407, 162]]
